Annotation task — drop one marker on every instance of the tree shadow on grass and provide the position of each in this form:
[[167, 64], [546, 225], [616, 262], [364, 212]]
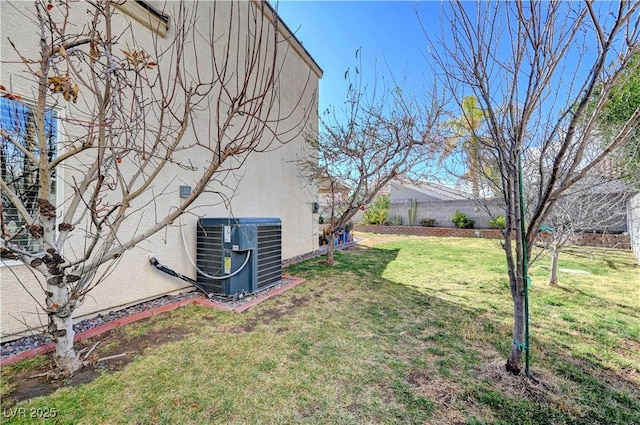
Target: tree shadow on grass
[[443, 357], [544, 397]]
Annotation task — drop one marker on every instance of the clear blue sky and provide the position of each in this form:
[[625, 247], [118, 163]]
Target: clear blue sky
[[387, 32]]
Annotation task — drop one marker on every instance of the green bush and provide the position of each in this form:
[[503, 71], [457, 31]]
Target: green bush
[[428, 222], [461, 221], [395, 220], [499, 222], [378, 212]]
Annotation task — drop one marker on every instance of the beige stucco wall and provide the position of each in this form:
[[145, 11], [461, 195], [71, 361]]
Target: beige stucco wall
[[268, 184]]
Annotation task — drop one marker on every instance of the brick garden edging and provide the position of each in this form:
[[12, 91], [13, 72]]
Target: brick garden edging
[[429, 231], [605, 240], [590, 239]]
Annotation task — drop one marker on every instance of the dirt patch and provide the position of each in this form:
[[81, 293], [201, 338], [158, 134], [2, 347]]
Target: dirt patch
[[263, 317], [555, 390], [270, 315], [280, 331], [112, 343], [248, 326], [299, 301]]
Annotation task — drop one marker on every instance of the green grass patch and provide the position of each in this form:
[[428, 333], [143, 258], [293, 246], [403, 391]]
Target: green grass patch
[[401, 330]]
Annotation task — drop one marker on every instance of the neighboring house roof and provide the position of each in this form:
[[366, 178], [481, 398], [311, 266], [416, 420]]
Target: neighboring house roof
[[425, 191], [324, 186], [602, 185], [328, 199]]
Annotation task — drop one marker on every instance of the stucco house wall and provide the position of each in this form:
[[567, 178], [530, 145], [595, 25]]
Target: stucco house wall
[[267, 184]]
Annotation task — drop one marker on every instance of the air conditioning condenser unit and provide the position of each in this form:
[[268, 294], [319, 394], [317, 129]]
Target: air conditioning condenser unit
[[236, 255]]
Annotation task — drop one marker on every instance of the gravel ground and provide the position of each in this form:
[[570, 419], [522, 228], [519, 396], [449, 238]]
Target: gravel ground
[[27, 343]]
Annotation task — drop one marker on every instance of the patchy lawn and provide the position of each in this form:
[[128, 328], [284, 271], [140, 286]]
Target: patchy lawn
[[401, 330]]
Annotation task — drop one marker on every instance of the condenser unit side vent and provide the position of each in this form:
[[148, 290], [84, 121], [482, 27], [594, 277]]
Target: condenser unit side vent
[[269, 255], [210, 256]]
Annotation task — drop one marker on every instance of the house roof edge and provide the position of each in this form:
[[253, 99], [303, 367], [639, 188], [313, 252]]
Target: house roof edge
[[291, 37]]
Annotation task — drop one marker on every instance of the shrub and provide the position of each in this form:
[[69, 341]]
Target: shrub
[[428, 222], [461, 221], [499, 222], [395, 220], [377, 213]]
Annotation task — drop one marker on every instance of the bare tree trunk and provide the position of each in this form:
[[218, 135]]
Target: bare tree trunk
[[331, 247], [515, 250], [514, 362], [61, 328], [553, 275]]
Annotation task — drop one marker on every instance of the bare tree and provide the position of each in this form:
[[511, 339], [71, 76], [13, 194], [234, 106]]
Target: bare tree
[[596, 203], [379, 135], [542, 73], [132, 103]]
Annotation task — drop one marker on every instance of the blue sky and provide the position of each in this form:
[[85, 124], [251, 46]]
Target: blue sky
[[388, 33], [393, 42]]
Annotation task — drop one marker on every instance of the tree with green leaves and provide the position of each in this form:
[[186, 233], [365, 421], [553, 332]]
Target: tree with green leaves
[[466, 129], [622, 102]]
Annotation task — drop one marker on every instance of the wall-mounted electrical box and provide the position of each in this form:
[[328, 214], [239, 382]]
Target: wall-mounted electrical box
[[185, 191]]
